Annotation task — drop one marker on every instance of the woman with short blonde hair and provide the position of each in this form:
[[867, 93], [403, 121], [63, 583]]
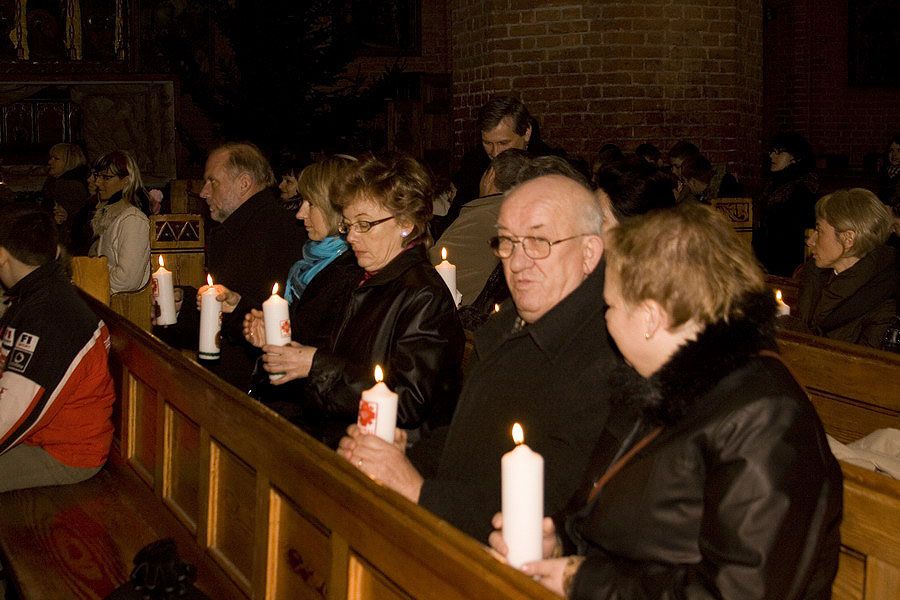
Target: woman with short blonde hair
[[717, 475], [848, 288]]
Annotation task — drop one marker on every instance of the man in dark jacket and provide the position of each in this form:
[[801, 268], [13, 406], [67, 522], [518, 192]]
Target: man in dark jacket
[[543, 362], [252, 247]]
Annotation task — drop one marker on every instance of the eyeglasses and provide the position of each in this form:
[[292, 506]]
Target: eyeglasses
[[361, 226], [103, 176], [535, 248]]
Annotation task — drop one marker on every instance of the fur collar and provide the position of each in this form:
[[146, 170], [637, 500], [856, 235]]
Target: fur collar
[[669, 395]]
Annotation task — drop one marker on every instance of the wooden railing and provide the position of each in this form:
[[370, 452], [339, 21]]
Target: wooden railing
[[274, 510]]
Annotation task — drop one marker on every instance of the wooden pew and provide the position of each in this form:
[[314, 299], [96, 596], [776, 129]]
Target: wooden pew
[[738, 212], [180, 239], [263, 510], [266, 512], [856, 390]]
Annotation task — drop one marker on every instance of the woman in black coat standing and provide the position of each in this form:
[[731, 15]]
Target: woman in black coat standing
[[723, 485]]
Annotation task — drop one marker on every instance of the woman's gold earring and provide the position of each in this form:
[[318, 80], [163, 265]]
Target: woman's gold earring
[[647, 335]]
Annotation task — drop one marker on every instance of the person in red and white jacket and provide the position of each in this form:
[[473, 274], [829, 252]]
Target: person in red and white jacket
[[56, 393]]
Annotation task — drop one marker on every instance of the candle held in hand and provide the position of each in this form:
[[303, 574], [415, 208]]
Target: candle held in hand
[[447, 271], [278, 323], [522, 478], [164, 295], [210, 323], [378, 409], [783, 309]]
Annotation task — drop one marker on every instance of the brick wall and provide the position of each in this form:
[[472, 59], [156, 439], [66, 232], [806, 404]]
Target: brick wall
[[807, 89], [617, 71]]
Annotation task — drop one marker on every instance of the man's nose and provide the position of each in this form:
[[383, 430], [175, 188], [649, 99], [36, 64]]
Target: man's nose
[[204, 191], [518, 260]]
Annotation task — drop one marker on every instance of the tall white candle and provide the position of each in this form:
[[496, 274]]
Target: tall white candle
[[278, 323], [783, 309], [522, 477], [378, 409], [447, 271], [210, 323], [164, 295]]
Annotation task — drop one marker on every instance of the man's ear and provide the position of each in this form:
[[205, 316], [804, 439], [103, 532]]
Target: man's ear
[[245, 183], [591, 252], [527, 135]]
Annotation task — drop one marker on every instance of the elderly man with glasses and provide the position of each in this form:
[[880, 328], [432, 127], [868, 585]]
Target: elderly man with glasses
[[543, 361]]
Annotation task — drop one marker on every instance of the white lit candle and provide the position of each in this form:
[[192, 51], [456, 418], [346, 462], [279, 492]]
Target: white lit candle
[[783, 309], [278, 323], [164, 295], [447, 271], [378, 409], [210, 322], [522, 477]]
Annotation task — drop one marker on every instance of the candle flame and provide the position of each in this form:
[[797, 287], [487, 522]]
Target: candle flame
[[517, 434], [161, 263], [443, 253], [209, 279], [778, 297], [379, 374], [496, 308], [275, 288]]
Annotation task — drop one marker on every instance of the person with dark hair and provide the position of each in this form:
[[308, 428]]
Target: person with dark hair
[[401, 315], [889, 177], [466, 238], [678, 153], [632, 188], [607, 155], [65, 190], [786, 205], [287, 186], [503, 123], [724, 486], [57, 393], [649, 153], [707, 182], [120, 223], [252, 245]]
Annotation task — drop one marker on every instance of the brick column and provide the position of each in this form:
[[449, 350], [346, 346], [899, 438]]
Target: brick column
[[616, 71]]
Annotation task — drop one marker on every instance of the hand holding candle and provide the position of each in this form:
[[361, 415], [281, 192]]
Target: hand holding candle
[[447, 271], [522, 478], [278, 323], [783, 309], [378, 409], [164, 295], [210, 322]]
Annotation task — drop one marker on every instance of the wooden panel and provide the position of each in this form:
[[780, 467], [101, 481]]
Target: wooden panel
[[299, 553], [91, 274], [882, 579], [366, 583], [232, 506], [176, 231], [142, 428], [182, 467], [871, 513], [847, 421], [739, 213], [851, 576], [135, 306]]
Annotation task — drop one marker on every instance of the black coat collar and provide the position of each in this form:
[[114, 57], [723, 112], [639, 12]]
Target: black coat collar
[[670, 394], [401, 263], [246, 212]]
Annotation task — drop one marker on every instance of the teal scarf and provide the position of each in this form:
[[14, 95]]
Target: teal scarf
[[316, 256]]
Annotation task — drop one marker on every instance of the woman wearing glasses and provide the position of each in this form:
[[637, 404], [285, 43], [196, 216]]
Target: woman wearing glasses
[[400, 315], [121, 227]]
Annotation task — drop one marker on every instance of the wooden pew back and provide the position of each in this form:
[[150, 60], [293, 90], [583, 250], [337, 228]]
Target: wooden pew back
[[280, 514]]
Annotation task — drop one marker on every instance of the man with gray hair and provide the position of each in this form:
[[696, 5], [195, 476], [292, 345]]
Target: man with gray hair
[[543, 361], [252, 246]]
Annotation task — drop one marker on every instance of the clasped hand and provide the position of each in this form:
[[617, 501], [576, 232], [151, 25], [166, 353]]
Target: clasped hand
[[228, 298], [548, 571], [386, 463]]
